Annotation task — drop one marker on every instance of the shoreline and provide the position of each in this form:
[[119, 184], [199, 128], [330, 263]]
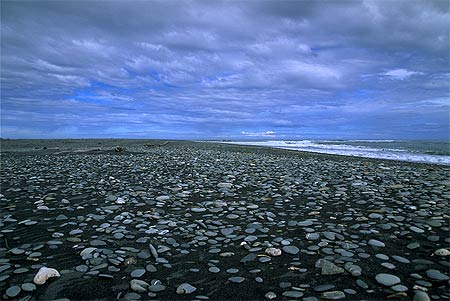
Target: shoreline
[[136, 146], [346, 155], [211, 213]]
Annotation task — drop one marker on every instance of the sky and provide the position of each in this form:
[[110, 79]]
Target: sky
[[225, 69]]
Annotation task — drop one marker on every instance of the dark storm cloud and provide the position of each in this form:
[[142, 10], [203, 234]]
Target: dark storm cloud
[[205, 69]]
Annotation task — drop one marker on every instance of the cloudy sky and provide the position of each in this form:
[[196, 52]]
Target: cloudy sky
[[211, 69]]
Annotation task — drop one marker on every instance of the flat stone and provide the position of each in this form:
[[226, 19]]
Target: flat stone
[[13, 291], [28, 287], [323, 287], [312, 236], [375, 216], [416, 229], [334, 295], [387, 279], [150, 268], [421, 296], [399, 288], [139, 286], [17, 251], [97, 243], [376, 243], [293, 294], [132, 296], [137, 273], [185, 289], [82, 268], [329, 268], [214, 269], [249, 257], [236, 279], [156, 288], [436, 275], [291, 250]]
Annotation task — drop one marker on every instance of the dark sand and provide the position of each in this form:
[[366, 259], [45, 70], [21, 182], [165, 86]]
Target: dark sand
[[337, 193]]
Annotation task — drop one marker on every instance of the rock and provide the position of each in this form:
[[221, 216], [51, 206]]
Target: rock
[[139, 286], [82, 268], [436, 275], [442, 252], [421, 296], [87, 251], [375, 216], [185, 289], [132, 296], [214, 269], [137, 273], [225, 185], [98, 243], [291, 250], [273, 252], [163, 198], [120, 201], [28, 287], [249, 257], [236, 279], [362, 284], [353, 269], [323, 287], [13, 291], [45, 273], [416, 229], [17, 251], [61, 217], [329, 268], [312, 236], [387, 279], [306, 223], [153, 251], [293, 294], [399, 288], [198, 210], [270, 295], [157, 287], [376, 243], [334, 295]]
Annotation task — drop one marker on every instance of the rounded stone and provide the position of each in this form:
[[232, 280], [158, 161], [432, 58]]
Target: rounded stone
[[399, 288], [293, 294], [376, 243], [28, 287], [421, 296], [270, 295], [387, 279], [185, 288], [291, 250], [13, 291], [98, 243], [236, 279], [214, 269], [137, 273], [436, 275]]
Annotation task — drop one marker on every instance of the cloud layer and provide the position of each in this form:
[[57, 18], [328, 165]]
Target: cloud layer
[[202, 69]]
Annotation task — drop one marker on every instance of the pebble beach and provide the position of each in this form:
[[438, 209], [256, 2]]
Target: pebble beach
[[180, 220]]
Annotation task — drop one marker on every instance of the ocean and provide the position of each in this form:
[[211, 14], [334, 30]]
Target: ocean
[[437, 152]]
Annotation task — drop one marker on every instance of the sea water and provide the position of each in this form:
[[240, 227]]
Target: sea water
[[437, 152]]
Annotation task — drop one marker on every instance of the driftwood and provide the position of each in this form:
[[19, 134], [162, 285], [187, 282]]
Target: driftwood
[[156, 145]]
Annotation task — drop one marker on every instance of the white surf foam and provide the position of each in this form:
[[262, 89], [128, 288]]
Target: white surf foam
[[349, 150]]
